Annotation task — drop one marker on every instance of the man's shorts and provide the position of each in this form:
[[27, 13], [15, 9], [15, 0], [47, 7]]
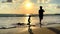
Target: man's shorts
[[41, 16]]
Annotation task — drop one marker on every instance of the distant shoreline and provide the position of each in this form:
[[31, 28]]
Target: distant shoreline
[[23, 15]]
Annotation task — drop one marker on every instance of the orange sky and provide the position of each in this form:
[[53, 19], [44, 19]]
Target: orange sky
[[28, 7]]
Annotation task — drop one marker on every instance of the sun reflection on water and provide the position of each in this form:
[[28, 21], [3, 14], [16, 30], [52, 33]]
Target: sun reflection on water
[[26, 18]]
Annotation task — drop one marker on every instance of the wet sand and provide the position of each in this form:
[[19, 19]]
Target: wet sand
[[32, 30]]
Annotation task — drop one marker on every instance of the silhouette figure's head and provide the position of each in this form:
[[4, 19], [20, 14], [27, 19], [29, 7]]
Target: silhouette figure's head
[[40, 7], [29, 15]]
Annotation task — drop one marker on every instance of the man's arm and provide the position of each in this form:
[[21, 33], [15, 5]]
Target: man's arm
[[43, 11]]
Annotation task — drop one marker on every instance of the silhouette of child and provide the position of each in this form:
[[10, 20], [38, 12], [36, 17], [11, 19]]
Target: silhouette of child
[[29, 20]]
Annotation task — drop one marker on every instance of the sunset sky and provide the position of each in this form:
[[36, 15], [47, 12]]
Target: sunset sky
[[29, 6]]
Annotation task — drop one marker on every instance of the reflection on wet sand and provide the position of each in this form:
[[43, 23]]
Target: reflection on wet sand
[[30, 30]]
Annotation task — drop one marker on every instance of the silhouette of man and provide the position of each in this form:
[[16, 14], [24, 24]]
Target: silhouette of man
[[41, 11]]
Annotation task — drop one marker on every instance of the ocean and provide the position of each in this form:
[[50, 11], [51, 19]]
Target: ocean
[[47, 20]]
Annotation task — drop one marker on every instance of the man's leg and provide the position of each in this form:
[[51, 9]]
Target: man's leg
[[40, 22]]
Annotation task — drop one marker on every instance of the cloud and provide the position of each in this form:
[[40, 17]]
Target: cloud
[[58, 7], [34, 1], [55, 1], [18, 8], [43, 1], [50, 8]]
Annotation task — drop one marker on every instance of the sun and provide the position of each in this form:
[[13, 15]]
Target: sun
[[28, 5]]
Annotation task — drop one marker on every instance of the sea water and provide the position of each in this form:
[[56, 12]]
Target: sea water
[[7, 21]]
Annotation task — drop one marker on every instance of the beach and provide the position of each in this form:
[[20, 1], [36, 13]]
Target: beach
[[34, 30]]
